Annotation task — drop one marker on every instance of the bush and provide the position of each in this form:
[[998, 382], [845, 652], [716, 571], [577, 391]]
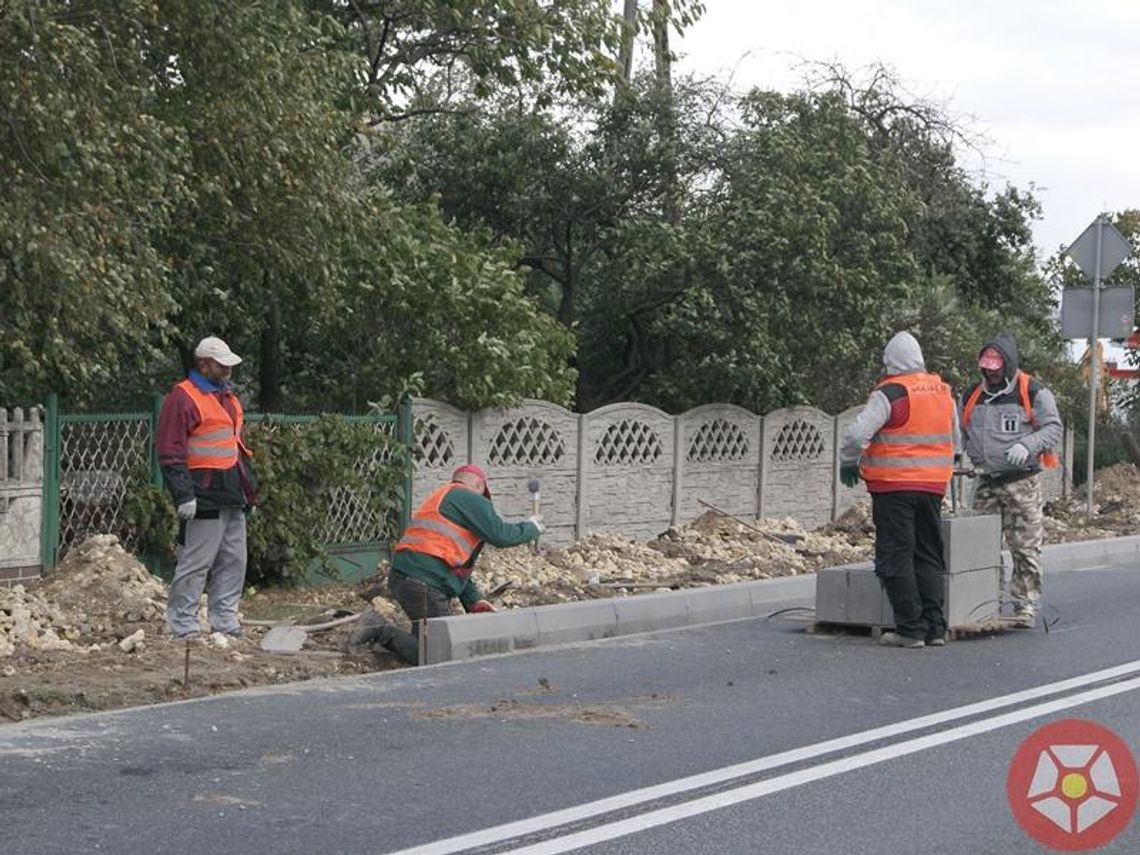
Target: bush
[[301, 468]]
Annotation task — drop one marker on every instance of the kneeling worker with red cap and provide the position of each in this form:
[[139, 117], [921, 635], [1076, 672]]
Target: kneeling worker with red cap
[[434, 558]]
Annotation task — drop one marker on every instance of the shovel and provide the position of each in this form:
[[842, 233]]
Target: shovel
[[290, 638]]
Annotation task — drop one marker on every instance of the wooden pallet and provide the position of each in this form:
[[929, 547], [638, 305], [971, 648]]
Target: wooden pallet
[[815, 627], [974, 629], [983, 628]]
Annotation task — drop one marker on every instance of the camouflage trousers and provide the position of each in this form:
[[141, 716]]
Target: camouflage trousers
[[1022, 524]]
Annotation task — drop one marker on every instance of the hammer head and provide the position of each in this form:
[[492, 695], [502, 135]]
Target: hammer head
[[532, 485]]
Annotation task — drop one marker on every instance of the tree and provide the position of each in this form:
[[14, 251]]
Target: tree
[[780, 277], [565, 49], [260, 240], [90, 177]]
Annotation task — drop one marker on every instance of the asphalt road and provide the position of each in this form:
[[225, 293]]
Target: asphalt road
[[745, 737]]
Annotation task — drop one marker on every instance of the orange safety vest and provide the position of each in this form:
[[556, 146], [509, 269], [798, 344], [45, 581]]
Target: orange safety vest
[[1048, 458], [921, 450], [431, 533], [216, 440]]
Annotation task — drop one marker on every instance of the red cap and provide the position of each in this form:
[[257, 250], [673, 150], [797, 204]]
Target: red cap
[[477, 471], [991, 359]]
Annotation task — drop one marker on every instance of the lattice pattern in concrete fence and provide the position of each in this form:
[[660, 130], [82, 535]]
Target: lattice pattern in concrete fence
[[721, 461], [628, 485], [440, 443], [538, 441], [798, 466]]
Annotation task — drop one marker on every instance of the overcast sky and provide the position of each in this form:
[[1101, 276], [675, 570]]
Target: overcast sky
[[1052, 84]]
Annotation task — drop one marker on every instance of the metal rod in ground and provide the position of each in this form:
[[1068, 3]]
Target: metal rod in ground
[[743, 522], [422, 655], [186, 667]]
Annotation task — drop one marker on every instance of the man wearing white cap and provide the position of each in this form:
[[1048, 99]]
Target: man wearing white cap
[[206, 467]]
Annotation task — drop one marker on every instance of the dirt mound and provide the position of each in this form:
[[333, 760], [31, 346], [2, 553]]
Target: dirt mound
[[1116, 500]]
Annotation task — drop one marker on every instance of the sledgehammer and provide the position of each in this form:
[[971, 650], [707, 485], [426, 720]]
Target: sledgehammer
[[534, 487]]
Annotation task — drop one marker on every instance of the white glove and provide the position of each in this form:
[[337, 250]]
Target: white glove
[[537, 520], [1017, 454], [187, 510]]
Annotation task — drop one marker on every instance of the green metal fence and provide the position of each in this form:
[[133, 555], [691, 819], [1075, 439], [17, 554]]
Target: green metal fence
[[94, 461]]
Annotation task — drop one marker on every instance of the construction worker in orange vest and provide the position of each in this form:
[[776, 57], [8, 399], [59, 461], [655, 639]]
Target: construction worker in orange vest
[[433, 560], [902, 445], [1010, 426], [206, 467]]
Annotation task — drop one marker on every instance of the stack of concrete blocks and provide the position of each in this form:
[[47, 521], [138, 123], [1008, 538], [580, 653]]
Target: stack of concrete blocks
[[851, 595]]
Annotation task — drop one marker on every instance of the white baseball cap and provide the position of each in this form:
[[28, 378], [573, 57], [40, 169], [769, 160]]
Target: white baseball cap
[[212, 347]]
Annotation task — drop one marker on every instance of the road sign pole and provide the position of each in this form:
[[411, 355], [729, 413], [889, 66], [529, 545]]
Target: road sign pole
[[1094, 371]]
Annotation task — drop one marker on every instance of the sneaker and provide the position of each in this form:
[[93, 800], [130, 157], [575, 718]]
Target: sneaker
[[936, 641], [893, 639], [237, 632], [1025, 617], [192, 635]]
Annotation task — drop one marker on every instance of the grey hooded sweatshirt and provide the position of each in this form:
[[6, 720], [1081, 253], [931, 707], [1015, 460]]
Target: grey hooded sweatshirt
[[999, 421], [902, 355]]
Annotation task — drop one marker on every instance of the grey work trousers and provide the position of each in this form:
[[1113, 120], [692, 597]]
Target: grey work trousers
[[212, 559]]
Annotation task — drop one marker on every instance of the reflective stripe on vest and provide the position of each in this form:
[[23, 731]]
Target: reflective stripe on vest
[[214, 442], [431, 533], [1048, 457], [921, 450]]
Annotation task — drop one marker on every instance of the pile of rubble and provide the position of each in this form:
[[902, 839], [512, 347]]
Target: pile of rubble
[[98, 596], [1116, 498], [712, 550]]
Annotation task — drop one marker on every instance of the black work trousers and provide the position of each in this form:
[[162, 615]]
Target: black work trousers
[[908, 560], [419, 601]]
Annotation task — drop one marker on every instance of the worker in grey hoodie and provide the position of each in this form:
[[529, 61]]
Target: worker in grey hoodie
[[903, 445], [1010, 425]]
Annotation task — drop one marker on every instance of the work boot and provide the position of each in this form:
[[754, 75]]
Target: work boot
[[893, 639], [371, 628]]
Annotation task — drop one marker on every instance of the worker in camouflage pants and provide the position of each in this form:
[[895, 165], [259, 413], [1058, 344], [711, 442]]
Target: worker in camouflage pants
[[1010, 425], [1022, 521]]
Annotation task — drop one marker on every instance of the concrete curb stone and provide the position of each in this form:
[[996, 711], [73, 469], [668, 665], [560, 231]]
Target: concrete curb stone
[[466, 637]]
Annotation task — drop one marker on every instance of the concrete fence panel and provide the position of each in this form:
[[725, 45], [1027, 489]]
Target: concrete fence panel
[[719, 447], [628, 487], [845, 497], [440, 436], [798, 465], [21, 494], [537, 440]]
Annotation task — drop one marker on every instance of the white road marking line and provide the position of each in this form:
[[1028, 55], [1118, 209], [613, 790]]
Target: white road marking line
[[622, 828], [543, 822]]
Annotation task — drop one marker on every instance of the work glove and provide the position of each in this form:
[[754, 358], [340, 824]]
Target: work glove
[[1017, 454], [187, 510], [482, 606], [849, 474], [537, 520]]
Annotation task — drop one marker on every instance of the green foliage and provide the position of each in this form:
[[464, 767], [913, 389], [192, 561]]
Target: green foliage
[[148, 514], [412, 47], [90, 177], [301, 468]]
